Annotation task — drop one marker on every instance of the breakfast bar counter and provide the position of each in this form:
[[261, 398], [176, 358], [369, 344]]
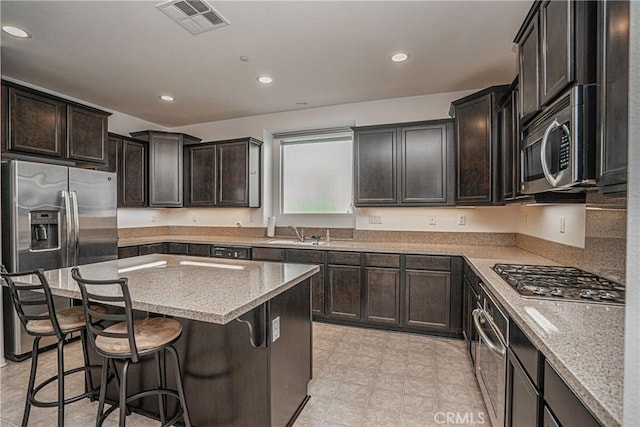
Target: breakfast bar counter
[[245, 348]]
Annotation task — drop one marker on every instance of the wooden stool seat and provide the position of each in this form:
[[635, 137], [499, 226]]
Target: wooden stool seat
[[150, 334], [68, 318]]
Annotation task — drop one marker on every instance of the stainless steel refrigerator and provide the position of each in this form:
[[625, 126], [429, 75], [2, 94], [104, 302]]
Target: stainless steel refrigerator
[[53, 217]]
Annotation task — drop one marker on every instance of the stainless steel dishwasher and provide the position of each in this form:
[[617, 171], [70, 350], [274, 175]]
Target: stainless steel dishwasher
[[491, 325]]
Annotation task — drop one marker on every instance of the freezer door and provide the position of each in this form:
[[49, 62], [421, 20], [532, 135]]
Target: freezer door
[[93, 195], [32, 200]]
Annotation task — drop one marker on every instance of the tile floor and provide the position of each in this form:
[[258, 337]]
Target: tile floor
[[372, 378], [361, 378]]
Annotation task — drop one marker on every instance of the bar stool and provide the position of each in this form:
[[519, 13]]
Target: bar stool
[[36, 297], [129, 340]]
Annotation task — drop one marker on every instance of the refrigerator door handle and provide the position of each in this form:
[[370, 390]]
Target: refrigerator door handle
[[69, 225], [76, 227]]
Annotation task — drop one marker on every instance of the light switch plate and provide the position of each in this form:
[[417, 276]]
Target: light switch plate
[[432, 219], [462, 219], [275, 329]]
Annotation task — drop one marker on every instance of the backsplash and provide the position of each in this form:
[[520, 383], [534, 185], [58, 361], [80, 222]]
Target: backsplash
[[604, 251]]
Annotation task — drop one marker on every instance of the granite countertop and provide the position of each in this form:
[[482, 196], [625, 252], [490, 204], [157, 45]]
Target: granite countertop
[[205, 289], [584, 342]]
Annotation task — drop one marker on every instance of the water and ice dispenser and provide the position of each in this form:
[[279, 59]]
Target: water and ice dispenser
[[44, 230]]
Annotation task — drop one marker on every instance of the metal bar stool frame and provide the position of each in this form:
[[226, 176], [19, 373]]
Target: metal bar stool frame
[[15, 290], [123, 297]]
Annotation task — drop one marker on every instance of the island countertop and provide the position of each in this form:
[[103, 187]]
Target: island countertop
[[205, 289]]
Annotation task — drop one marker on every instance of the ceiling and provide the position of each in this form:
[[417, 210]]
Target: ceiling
[[123, 54]]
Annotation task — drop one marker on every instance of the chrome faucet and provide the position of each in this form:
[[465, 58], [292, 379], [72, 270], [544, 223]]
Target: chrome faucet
[[300, 235]]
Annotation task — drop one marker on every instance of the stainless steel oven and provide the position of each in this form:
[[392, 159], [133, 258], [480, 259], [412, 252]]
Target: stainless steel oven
[[559, 147], [491, 356]]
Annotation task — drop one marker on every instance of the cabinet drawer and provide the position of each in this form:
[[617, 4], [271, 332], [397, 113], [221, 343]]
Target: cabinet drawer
[[177, 248], [382, 260], [427, 262], [526, 352], [268, 254], [344, 258], [155, 248], [301, 255], [566, 406], [128, 252], [199, 250]]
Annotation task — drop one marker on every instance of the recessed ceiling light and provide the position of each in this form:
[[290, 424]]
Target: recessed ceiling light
[[301, 103], [265, 79], [399, 57], [15, 31], [167, 97], [244, 58]]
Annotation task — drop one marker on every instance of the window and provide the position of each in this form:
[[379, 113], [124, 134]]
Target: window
[[315, 174]]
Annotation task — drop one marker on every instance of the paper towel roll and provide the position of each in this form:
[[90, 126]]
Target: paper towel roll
[[271, 226]]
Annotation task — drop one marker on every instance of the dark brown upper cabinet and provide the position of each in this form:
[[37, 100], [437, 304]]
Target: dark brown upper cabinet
[[165, 179], [40, 124], [37, 124], [557, 48], [404, 164], [223, 173], [477, 147], [529, 66], [86, 134], [128, 158], [509, 126], [613, 113]]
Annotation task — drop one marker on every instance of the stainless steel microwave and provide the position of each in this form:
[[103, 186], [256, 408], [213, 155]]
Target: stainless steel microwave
[[558, 151]]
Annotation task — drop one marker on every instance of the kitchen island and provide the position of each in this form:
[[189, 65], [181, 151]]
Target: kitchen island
[[245, 349]]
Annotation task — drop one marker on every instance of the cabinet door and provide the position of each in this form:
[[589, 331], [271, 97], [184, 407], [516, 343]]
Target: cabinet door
[[132, 174], [165, 170], [523, 401], [37, 124], [424, 154], [200, 183], [557, 48], [382, 290], [317, 293], [474, 156], [344, 292], [112, 154], [529, 71], [233, 174], [86, 134], [508, 143], [427, 299], [375, 167], [614, 95]]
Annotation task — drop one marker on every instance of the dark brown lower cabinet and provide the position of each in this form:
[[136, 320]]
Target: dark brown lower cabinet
[[548, 420], [154, 248], [523, 400], [127, 252], [427, 299], [382, 290], [344, 292], [317, 293]]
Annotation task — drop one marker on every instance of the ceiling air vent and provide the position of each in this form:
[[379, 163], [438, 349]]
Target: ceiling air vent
[[196, 16]]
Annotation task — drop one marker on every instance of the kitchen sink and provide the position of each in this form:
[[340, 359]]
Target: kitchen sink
[[295, 242]]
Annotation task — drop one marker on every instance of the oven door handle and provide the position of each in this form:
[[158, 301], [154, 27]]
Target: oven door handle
[[543, 150], [495, 348]]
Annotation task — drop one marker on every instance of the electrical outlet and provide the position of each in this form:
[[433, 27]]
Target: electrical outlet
[[563, 224], [375, 219], [462, 219], [432, 220], [154, 218], [275, 329], [526, 221], [194, 219]]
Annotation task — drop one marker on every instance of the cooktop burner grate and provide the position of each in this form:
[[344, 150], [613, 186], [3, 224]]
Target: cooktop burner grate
[[562, 283]]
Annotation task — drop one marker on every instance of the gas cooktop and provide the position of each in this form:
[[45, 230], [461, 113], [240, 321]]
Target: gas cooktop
[[561, 283]]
